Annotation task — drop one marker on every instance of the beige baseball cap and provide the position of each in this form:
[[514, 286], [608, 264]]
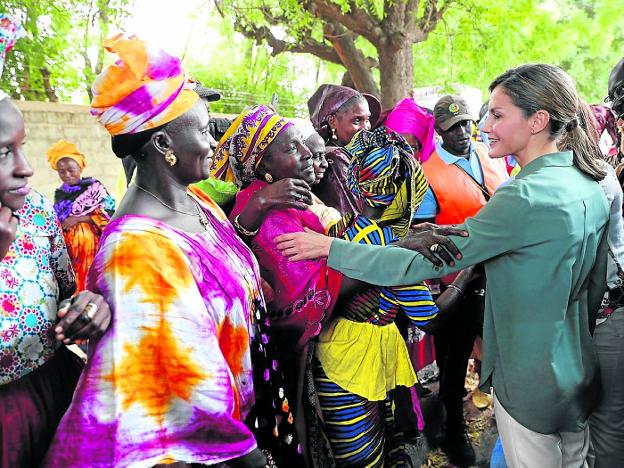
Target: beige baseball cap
[[449, 110]]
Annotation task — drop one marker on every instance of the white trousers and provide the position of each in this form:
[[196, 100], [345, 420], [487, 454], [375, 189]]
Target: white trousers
[[525, 448]]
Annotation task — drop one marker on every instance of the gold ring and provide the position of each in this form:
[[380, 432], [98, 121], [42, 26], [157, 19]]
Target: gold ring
[[90, 310]]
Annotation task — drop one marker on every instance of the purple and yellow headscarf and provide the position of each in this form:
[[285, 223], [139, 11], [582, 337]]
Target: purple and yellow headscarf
[[10, 31], [243, 145], [145, 88]]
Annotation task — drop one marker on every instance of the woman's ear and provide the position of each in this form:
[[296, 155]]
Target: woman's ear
[[540, 121], [161, 141], [331, 121]]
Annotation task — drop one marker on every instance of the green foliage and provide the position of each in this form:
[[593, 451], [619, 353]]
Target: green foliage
[[247, 74], [479, 40], [52, 61]]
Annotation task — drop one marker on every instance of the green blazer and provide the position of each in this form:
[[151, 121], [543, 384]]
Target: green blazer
[[542, 238]]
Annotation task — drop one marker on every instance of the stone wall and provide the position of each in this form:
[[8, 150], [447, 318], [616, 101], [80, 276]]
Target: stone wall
[[48, 122]]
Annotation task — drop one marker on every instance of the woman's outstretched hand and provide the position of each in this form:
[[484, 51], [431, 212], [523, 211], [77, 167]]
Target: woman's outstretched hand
[[306, 245], [434, 244]]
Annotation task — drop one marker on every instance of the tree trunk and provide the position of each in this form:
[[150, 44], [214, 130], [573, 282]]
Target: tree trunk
[[47, 85], [352, 58], [396, 70]]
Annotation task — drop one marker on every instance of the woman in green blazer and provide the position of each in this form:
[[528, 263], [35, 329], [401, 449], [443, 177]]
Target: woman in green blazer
[[542, 239]]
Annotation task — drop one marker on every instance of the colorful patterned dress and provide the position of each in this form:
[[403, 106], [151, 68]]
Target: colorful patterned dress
[[36, 379], [361, 357], [305, 294], [87, 198], [172, 379]]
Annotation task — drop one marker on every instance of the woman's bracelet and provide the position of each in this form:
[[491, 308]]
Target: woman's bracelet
[[242, 230], [456, 288]]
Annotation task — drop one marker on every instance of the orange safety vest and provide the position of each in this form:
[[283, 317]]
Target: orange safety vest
[[459, 196]]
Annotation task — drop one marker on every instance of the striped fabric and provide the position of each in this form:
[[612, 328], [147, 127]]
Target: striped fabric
[[380, 306], [355, 427], [362, 433], [384, 173]]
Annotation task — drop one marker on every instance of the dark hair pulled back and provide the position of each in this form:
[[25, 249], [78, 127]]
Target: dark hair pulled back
[[534, 87]]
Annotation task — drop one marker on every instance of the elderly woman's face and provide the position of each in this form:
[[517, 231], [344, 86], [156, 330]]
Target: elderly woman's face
[[14, 168], [316, 145], [288, 157], [69, 171], [193, 145]]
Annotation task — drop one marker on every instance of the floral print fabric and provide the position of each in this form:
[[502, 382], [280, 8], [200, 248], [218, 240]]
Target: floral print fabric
[[34, 275]]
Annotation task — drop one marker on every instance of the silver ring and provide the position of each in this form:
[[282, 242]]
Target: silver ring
[[435, 248], [90, 310]]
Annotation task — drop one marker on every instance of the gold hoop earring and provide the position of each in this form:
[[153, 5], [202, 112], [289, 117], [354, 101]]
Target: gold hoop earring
[[170, 157], [268, 177]]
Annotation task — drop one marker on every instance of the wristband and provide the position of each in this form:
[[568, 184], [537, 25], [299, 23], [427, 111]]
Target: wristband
[[242, 230], [456, 288]]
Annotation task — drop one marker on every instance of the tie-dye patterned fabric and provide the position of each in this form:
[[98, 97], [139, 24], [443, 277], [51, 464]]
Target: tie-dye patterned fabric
[[145, 88], [171, 380]]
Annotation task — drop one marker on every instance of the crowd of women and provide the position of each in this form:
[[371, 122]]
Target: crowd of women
[[276, 329]]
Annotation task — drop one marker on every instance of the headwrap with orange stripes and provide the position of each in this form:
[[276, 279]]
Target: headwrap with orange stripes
[[65, 149]]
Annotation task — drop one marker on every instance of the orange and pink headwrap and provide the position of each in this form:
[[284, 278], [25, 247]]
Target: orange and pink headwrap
[[144, 89], [407, 117]]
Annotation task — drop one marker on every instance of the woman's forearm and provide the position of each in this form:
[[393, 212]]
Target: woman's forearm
[[449, 300], [251, 217]]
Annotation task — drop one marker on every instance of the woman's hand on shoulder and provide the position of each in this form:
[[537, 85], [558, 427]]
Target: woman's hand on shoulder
[[8, 230], [285, 193], [85, 316], [308, 245]]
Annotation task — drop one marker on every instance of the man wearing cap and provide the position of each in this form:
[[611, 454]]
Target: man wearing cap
[[462, 178]]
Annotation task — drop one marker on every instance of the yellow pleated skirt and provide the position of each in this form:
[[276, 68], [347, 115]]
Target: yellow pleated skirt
[[365, 359]]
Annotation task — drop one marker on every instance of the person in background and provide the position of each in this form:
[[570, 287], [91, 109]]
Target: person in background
[[606, 424], [82, 204], [38, 317], [415, 124], [314, 142], [337, 113], [605, 122], [462, 178]]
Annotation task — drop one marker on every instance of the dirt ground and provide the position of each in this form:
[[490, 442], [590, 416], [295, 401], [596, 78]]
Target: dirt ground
[[481, 429]]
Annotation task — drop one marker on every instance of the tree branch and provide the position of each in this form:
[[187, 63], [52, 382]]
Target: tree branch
[[303, 45], [432, 15], [357, 64], [357, 19], [411, 13]]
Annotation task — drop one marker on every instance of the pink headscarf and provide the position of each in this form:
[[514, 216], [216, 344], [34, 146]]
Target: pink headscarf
[[408, 117]]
